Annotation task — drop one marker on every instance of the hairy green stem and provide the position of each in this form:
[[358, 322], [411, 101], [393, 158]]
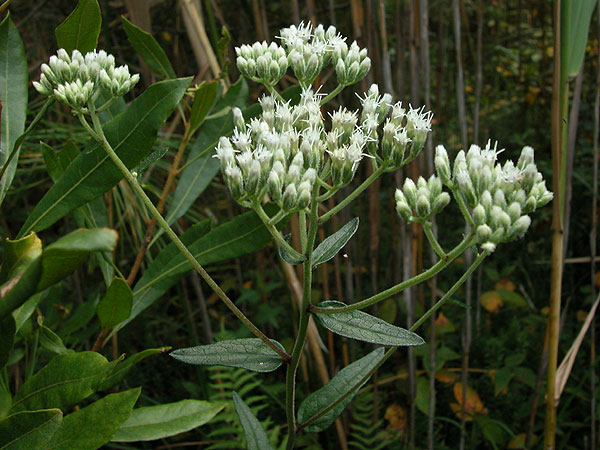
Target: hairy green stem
[[332, 94], [390, 351], [433, 270], [437, 248], [302, 226], [341, 205], [463, 207], [175, 239], [275, 232], [274, 93], [290, 382]]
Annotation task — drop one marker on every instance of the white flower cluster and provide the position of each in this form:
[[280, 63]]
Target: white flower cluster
[[417, 203], [284, 151], [307, 50], [75, 79], [500, 196]]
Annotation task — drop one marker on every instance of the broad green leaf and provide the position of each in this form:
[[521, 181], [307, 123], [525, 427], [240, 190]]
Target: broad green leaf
[[252, 354], [62, 383], [91, 215], [115, 306], [286, 256], [156, 422], [120, 370], [131, 134], [256, 438], [5, 402], [242, 235], [148, 49], [341, 388], [81, 29], [502, 378], [204, 99], [13, 96], [334, 243], [50, 340], [7, 338], [575, 20], [29, 430], [194, 180], [93, 426], [18, 254], [365, 327]]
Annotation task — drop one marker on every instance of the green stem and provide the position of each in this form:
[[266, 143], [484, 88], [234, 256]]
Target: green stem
[[274, 93], [332, 94], [433, 270], [451, 292], [275, 232], [175, 239], [341, 205], [302, 226], [463, 207], [106, 105], [390, 351], [437, 248], [21, 138], [290, 382]]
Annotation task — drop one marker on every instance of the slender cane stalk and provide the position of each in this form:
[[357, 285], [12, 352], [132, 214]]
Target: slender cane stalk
[[97, 128]]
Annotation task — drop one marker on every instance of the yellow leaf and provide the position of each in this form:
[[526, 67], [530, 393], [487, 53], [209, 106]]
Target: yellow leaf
[[491, 301], [445, 376], [505, 284], [396, 416], [473, 404]]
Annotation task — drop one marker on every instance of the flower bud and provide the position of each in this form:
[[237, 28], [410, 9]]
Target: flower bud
[[235, 181], [410, 191], [442, 165], [304, 189], [514, 211], [483, 233], [488, 247], [274, 186], [238, 119], [423, 206], [479, 215], [466, 188], [290, 197], [441, 202], [526, 157], [521, 226]]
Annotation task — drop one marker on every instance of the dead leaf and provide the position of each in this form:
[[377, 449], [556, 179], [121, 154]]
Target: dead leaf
[[491, 301]]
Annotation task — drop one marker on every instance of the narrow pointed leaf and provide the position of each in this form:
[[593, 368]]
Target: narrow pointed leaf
[[252, 354], [50, 340], [337, 388], [148, 49], [29, 430], [575, 25], [287, 257], [93, 426], [204, 99], [62, 383], [256, 438], [81, 29], [120, 370], [18, 254], [115, 306], [365, 327], [334, 243], [13, 96], [157, 422], [131, 134]]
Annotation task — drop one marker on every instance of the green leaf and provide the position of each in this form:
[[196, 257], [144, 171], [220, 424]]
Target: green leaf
[[252, 354], [81, 29], [575, 23], [120, 370], [17, 256], [7, 338], [148, 49], [13, 96], [286, 256], [334, 243], [93, 426], [502, 378], [242, 235], [25, 311], [157, 422], [62, 383], [131, 134], [195, 178], [337, 390], [514, 359], [204, 99], [256, 438], [422, 395], [115, 306], [236, 95], [29, 430], [5, 402], [50, 340], [365, 327]]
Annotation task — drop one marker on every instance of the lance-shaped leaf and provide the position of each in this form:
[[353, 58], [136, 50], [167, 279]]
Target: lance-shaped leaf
[[148, 49], [29, 430], [204, 99], [242, 235], [286, 256], [252, 354], [122, 368], [93, 426], [17, 256], [340, 390], [161, 421], [13, 96], [81, 29], [365, 327], [50, 340], [334, 243], [575, 17], [256, 438], [115, 306], [131, 134], [62, 383]]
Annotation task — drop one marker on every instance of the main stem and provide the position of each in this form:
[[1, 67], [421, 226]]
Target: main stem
[[290, 382], [175, 239]]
